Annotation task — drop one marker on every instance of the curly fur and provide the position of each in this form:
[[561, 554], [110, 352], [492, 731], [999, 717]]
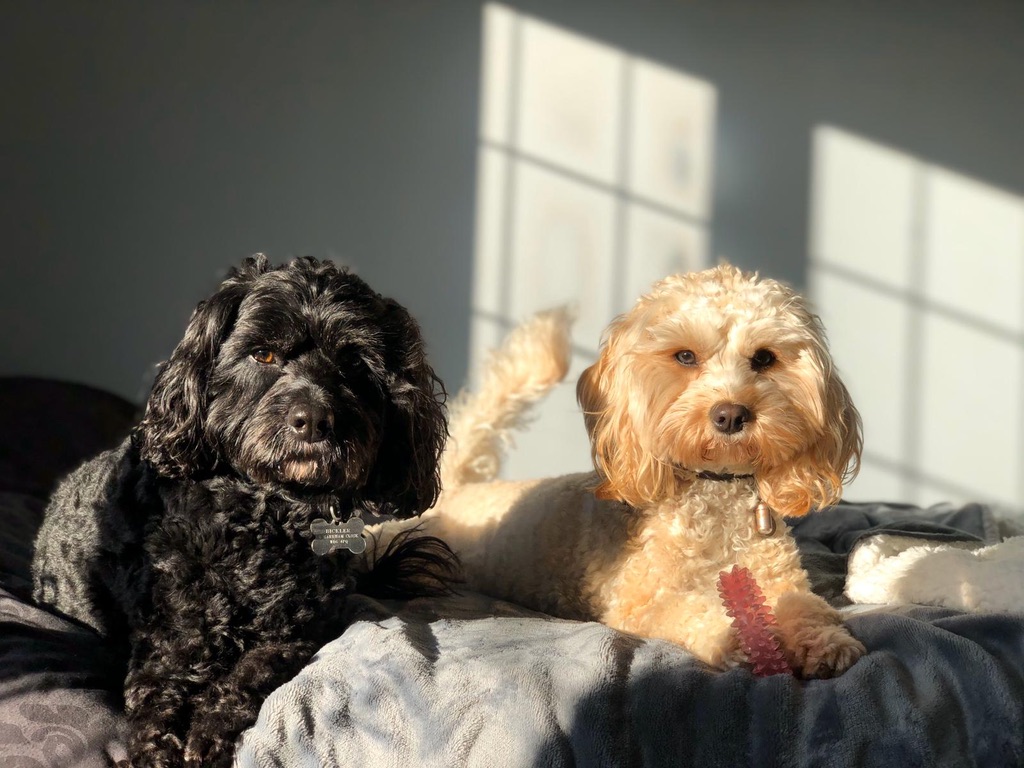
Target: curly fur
[[805, 438], [189, 544], [639, 543]]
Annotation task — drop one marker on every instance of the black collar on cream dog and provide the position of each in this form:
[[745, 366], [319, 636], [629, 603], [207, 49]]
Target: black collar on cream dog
[[705, 475]]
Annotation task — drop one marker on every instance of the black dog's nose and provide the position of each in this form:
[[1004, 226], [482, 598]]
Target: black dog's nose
[[729, 418], [310, 422]]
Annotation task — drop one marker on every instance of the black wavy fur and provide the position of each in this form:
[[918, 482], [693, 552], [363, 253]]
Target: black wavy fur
[[296, 390], [412, 565]]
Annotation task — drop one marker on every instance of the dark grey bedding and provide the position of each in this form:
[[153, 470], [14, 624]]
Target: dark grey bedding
[[476, 682], [58, 700], [498, 686], [472, 681]]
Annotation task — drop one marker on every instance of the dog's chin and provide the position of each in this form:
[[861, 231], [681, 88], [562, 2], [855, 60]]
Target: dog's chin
[[739, 454], [276, 459], [305, 471], [308, 473], [727, 454]]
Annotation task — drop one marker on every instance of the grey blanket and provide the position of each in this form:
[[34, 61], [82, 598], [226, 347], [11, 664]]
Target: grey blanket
[[468, 681]]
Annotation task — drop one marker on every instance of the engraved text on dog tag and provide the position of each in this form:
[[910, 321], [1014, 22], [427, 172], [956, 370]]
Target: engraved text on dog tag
[[331, 535]]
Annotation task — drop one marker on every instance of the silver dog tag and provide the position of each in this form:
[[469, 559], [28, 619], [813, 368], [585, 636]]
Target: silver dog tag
[[331, 535]]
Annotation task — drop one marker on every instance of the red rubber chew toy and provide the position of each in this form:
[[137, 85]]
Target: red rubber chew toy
[[753, 621]]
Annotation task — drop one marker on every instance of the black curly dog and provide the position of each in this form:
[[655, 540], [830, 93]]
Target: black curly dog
[[297, 393]]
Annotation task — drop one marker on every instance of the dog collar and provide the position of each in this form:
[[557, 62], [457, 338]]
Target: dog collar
[[705, 475]]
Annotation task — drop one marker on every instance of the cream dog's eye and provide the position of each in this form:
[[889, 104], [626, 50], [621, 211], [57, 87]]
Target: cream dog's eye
[[686, 357], [264, 356], [763, 358]]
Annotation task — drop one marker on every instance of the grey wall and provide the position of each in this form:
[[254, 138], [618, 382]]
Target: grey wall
[[942, 80], [150, 145], [146, 146]]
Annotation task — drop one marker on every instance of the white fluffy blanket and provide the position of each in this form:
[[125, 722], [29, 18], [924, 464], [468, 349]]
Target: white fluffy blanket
[[966, 575]]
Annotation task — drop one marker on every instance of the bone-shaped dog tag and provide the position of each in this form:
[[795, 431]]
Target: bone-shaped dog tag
[[329, 536]]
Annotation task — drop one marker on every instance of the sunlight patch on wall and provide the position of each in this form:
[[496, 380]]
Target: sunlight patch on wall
[[594, 181], [918, 273]]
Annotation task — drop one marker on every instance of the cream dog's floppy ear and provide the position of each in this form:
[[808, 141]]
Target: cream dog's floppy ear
[[615, 417], [591, 396], [814, 478]]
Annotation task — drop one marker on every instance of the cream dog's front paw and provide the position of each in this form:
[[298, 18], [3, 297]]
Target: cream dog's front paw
[[813, 637], [822, 651]]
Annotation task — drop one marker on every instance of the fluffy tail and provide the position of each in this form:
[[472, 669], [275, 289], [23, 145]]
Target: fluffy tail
[[533, 358], [409, 565]]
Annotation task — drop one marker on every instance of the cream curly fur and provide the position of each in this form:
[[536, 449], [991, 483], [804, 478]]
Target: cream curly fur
[[533, 358], [639, 544]]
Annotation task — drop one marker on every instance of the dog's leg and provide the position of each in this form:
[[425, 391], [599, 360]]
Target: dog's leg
[[813, 637], [715, 643], [157, 703], [811, 632], [231, 704], [172, 662], [694, 619]]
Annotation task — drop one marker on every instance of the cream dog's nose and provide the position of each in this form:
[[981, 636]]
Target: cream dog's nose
[[729, 418]]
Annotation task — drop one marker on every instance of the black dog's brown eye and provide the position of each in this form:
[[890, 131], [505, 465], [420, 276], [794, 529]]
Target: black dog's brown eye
[[763, 358], [686, 357], [264, 356]]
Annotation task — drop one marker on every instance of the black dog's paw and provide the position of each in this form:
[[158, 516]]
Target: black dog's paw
[[156, 751], [208, 750]]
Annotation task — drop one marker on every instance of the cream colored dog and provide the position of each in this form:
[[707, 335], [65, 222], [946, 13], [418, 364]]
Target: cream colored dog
[[713, 411]]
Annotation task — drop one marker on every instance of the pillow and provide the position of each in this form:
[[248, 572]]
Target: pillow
[[20, 518], [50, 427], [58, 706], [47, 428]]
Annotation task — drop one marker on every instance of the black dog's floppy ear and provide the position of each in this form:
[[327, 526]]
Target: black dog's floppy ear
[[170, 435], [406, 478]]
